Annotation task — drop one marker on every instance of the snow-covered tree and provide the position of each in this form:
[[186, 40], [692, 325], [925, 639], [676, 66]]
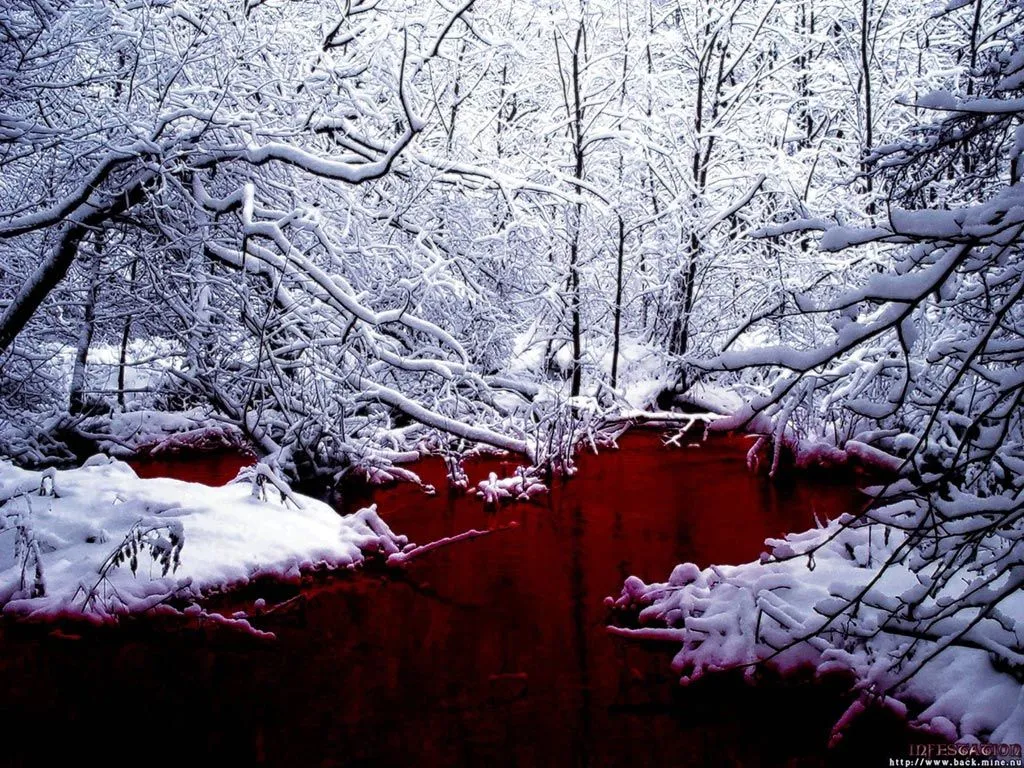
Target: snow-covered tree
[[245, 156]]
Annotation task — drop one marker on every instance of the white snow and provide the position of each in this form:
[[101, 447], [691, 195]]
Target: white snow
[[154, 432], [221, 538], [792, 610], [522, 486], [716, 400]]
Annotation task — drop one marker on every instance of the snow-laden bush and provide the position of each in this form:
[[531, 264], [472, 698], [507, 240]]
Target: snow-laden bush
[[854, 598]]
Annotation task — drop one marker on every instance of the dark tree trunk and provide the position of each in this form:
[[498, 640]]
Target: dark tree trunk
[[76, 394]]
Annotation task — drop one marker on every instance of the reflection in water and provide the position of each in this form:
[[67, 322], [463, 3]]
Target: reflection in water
[[217, 468], [487, 652]]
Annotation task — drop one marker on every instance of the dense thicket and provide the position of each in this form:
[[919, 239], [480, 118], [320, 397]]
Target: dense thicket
[[343, 227]]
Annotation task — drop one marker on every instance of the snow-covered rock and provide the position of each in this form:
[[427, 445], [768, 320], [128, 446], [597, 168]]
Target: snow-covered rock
[[522, 486]]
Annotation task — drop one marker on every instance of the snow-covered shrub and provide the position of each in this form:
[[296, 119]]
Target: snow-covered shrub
[[852, 597], [27, 555], [162, 542]]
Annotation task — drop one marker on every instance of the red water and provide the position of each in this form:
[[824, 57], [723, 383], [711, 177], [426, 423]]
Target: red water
[[217, 468], [487, 652]]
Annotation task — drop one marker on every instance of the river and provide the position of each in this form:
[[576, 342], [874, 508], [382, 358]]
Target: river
[[489, 652]]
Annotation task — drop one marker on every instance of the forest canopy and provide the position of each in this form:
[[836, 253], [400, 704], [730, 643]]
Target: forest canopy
[[345, 227]]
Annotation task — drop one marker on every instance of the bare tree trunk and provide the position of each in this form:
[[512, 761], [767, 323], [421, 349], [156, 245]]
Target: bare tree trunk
[[710, 84], [456, 97], [679, 341], [122, 361], [574, 109], [76, 395], [574, 305], [869, 118], [650, 174], [574, 259], [805, 32], [619, 263], [618, 301]]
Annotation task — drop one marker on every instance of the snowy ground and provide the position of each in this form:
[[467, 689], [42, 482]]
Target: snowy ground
[[100, 541], [788, 609]]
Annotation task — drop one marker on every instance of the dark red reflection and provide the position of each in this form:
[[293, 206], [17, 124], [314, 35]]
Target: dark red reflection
[[487, 652], [214, 468], [639, 510]]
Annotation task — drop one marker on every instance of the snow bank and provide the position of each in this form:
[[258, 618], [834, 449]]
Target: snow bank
[[797, 608], [70, 540], [713, 399], [154, 432]]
